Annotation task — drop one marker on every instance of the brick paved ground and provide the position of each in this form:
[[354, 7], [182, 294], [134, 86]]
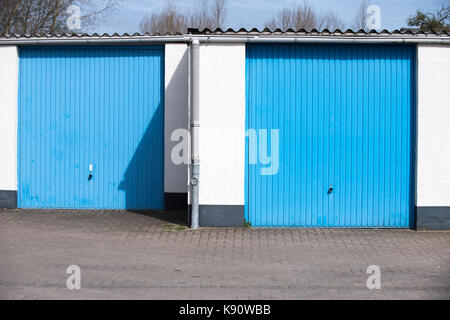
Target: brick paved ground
[[125, 255]]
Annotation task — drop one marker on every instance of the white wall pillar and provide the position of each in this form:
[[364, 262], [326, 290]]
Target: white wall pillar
[[8, 118], [433, 137], [222, 133], [433, 149]]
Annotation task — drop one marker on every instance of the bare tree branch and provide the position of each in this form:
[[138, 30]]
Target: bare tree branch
[[172, 19], [49, 16], [360, 22], [8, 14], [331, 21], [169, 20], [219, 12], [201, 16], [304, 17]]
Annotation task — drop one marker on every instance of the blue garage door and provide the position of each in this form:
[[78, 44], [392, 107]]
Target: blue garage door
[[345, 120], [91, 127]]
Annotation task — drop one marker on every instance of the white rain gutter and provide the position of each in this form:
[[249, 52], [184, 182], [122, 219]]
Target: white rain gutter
[[94, 40], [319, 39]]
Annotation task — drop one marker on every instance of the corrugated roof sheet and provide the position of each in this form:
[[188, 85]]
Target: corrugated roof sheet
[[315, 32], [85, 35], [405, 32]]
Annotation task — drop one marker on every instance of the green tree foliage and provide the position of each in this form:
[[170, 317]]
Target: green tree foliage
[[427, 21]]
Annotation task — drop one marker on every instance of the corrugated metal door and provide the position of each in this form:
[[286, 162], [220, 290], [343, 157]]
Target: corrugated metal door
[[345, 115], [91, 127]]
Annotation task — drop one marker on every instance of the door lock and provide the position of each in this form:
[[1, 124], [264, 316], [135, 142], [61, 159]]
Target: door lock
[[90, 172], [330, 191]]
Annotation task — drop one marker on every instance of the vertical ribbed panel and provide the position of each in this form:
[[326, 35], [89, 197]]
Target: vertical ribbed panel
[[346, 120], [99, 106]]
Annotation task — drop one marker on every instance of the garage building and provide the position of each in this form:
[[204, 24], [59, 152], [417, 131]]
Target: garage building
[[294, 129]]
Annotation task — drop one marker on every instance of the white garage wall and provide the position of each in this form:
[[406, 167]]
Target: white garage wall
[[176, 112], [433, 126], [222, 124], [8, 117]]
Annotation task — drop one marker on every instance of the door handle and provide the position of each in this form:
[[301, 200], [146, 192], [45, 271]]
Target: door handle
[[90, 172]]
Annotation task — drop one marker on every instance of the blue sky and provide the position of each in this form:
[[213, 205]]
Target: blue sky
[[253, 13]]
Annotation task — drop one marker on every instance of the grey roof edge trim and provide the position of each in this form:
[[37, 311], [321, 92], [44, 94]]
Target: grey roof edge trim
[[36, 40], [323, 39], [224, 39]]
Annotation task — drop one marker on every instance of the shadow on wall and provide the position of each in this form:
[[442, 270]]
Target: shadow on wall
[[143, 180], [176, 113]]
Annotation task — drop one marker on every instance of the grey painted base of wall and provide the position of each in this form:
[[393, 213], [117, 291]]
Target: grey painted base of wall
[[220, 216], [176, 201], [8, 199], [433, 218], [173, 201], [428, 218]]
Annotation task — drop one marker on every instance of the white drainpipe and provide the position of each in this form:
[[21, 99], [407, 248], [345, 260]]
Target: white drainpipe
[[195, 127]]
